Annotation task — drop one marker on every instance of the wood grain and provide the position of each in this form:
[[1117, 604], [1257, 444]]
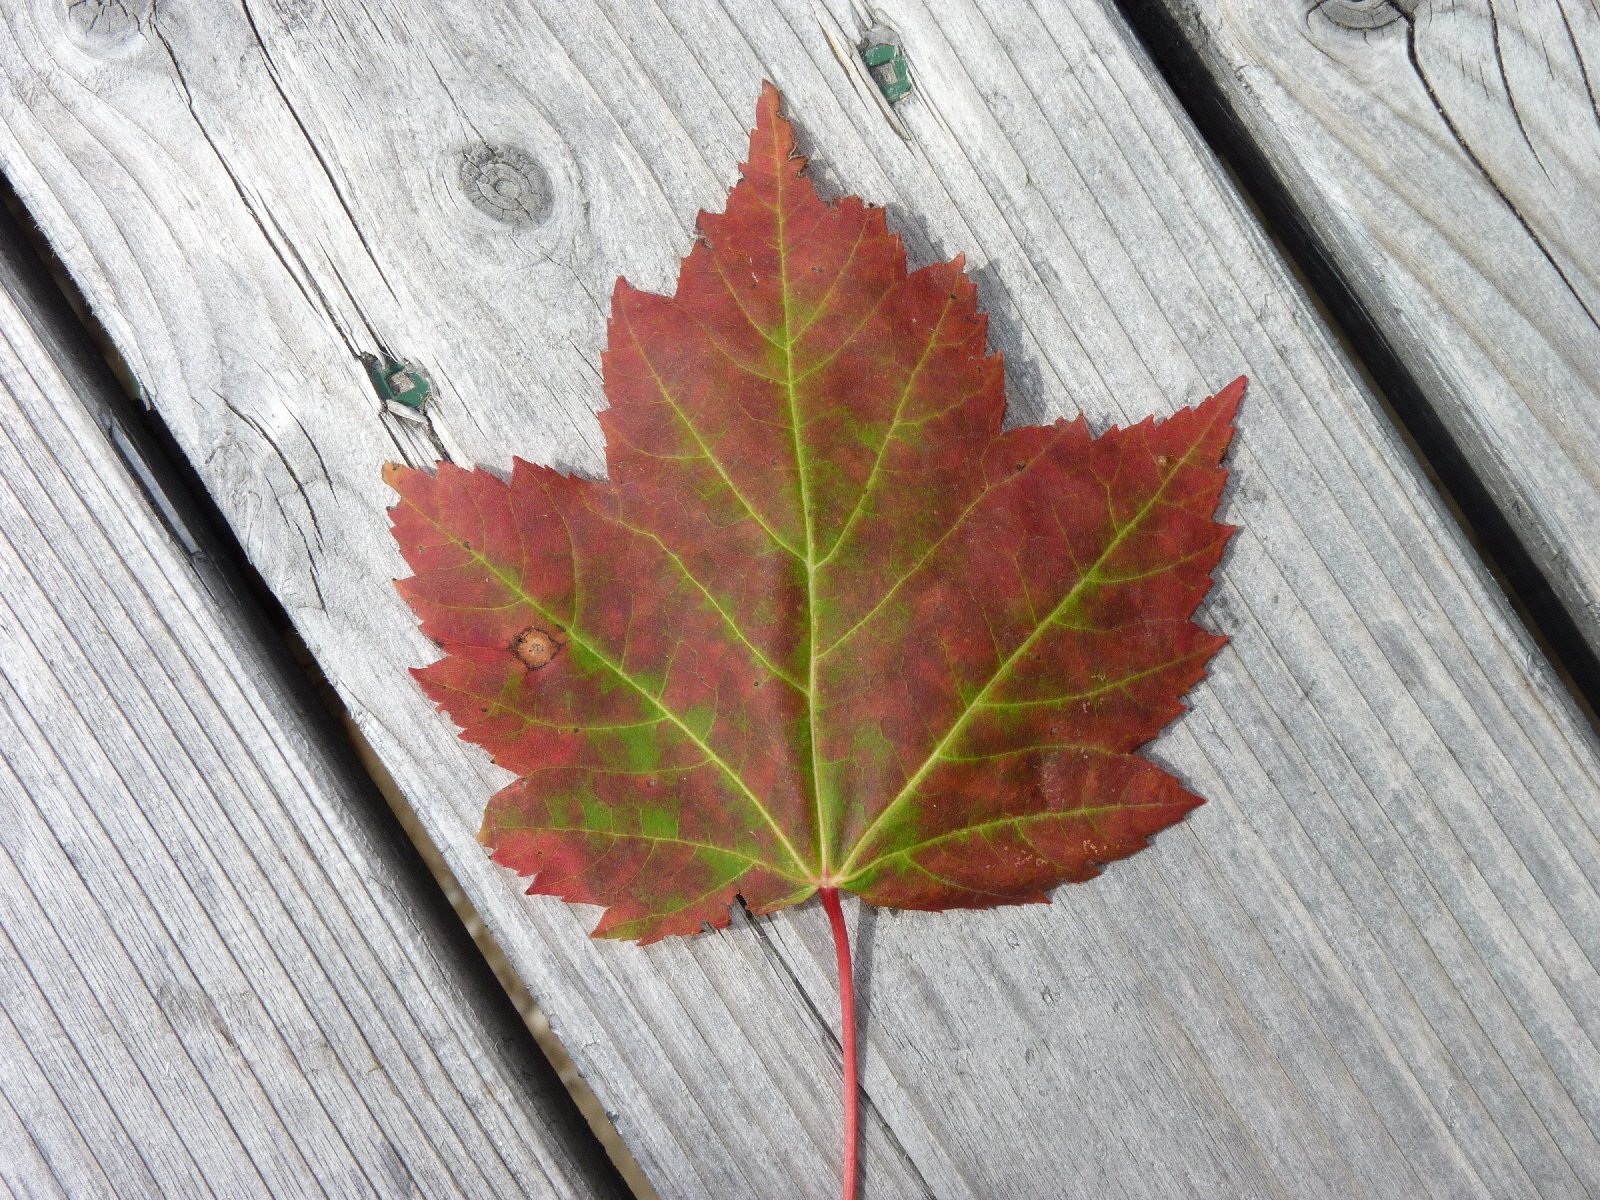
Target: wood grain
[[216, 976], [1367, 968], [1444, 163]]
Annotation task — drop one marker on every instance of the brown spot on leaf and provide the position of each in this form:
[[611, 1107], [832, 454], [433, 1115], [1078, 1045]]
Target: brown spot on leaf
[[535, 647]]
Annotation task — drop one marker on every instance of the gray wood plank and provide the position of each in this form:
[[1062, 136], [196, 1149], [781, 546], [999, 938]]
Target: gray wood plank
[[1367, 968], [1444, 163], [215, 977]]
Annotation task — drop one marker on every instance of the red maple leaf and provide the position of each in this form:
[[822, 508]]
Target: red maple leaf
[[827, 627]]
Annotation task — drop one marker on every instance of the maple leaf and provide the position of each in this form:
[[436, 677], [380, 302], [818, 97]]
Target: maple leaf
[[828, 626]]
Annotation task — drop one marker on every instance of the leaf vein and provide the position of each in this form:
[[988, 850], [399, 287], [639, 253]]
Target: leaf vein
[[515, 586], [694, 432], [975, 705]]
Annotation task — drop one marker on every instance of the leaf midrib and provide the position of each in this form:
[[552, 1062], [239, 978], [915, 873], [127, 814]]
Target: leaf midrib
[[809, 561]]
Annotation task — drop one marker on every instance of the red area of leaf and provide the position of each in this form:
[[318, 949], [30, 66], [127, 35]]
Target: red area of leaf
[[826, 625]]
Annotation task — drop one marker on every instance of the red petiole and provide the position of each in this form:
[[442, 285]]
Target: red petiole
[[847, 1038]]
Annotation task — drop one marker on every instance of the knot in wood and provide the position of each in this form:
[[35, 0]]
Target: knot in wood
[[507, 184], [1362, 15], [107, 24]]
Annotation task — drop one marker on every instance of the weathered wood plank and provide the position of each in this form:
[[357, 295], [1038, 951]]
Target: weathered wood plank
[[214, 974], [1367, 968], [1443, 162]]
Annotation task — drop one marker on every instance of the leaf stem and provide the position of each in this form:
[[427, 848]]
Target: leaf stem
[[847, 1039]]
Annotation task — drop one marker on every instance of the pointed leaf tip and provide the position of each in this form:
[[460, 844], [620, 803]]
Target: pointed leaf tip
[[1230, 396]]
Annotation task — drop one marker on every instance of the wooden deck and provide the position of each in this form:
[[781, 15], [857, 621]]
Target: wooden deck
[[1369, 967]]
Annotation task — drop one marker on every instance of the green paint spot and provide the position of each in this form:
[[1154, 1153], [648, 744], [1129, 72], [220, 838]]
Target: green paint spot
[[887, 66], [396, 383]]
